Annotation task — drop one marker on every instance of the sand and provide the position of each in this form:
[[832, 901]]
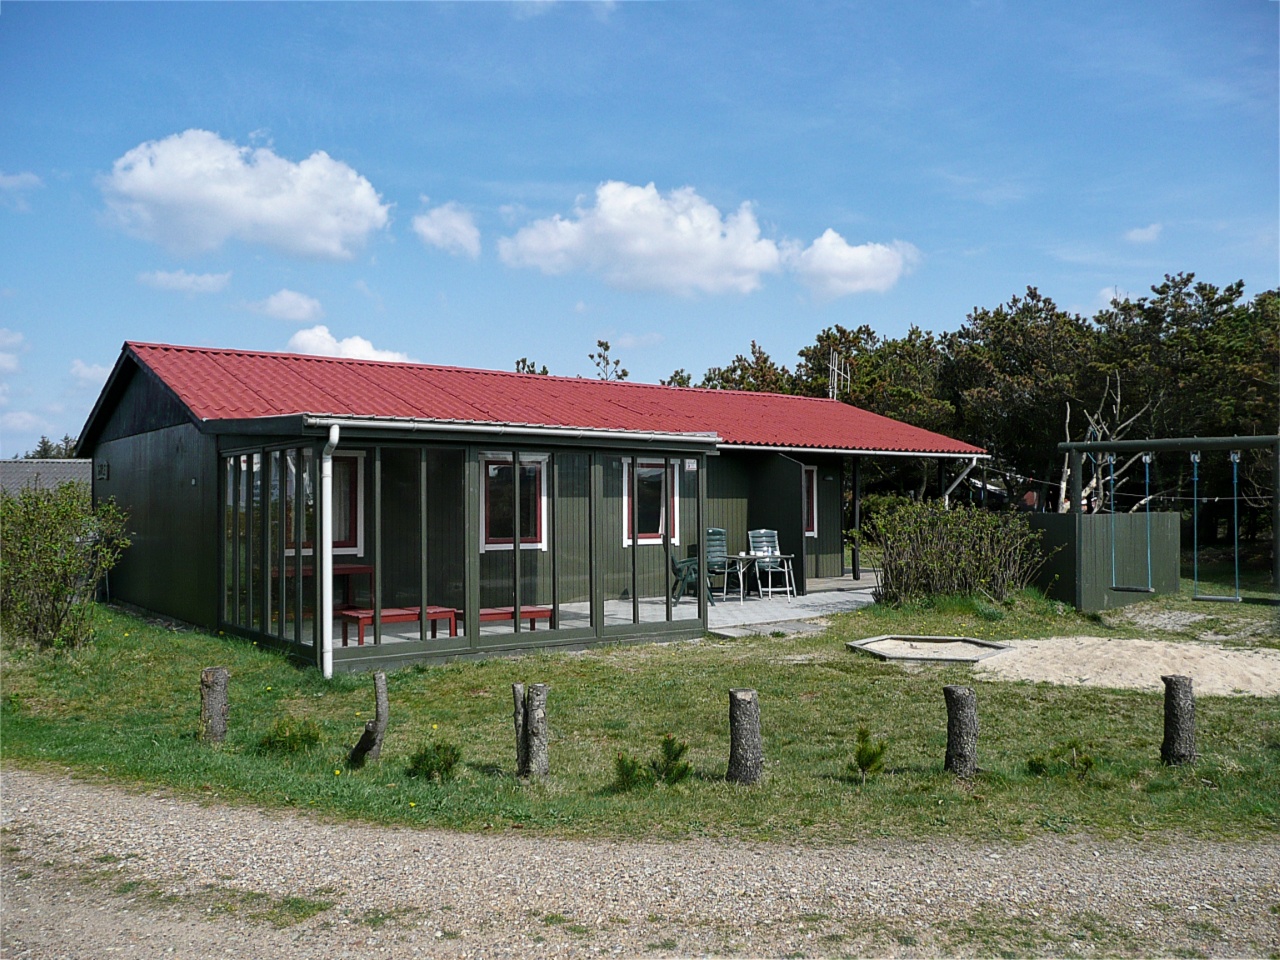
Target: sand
[[1137, 664]]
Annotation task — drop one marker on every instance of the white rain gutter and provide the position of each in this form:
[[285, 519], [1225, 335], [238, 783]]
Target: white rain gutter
[[503, 429], [326, 551], [864, 452], [963, 473]]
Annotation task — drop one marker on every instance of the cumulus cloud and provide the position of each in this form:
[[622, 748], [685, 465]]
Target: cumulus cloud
[[23, 421], [10, 343], [13, 189], [449, 227], [638, 238], [318, 341], [1144, 234], [831, 267], [185, 282], [193, 191], [89, 375], [290, 305]]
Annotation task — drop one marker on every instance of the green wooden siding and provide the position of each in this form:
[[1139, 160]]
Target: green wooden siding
[[1080, 572]]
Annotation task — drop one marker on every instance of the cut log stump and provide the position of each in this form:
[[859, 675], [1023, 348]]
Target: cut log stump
[[532, 735], [746, 748], [962, 731], [214, 705], [369, 746], [1179, 745]]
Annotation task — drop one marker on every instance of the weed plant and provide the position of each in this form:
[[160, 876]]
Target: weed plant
[[868, 757], [436, 760], [289, 734]]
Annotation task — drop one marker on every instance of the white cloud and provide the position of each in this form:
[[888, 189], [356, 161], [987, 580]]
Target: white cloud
[[13, 186], [89, 375], [10, 342], [449, 227], [185, 282], [193, 191], [290, 305], [637, 341], [318, 341], [1144, 234], [23, 421], [637, 238], [832, 268]]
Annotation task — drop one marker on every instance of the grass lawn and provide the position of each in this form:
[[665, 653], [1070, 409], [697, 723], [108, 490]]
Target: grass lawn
[[126, 707]]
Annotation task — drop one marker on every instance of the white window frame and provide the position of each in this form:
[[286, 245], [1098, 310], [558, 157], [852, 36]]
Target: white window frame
[[544, 463], [811, 487], [358, 549], [673, 501]]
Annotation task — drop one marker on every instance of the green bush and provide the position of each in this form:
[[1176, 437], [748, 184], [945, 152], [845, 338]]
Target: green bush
[[629, 773], [669, 766], [435, 761], [290, 734], [868, 758], [56, 548], [930, 551]]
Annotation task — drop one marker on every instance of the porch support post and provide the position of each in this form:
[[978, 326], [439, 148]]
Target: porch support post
[[857, 518], [325, 613]]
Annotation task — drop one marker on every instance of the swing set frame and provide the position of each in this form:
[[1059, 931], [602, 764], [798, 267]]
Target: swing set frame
[[1076, 451]]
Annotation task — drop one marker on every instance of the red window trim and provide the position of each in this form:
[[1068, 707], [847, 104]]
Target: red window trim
[[537, 466]]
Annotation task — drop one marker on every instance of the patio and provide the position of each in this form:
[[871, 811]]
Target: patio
[[825, 596]]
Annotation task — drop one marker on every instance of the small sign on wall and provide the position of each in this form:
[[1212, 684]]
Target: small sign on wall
[[691, 466], [101, 470]]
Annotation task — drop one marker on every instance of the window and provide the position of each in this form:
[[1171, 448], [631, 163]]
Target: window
[[810, 501], [652, 509], [499, 502], [348, 503]]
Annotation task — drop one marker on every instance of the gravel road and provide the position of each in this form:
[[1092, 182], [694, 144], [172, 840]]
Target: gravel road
[[93, 871]]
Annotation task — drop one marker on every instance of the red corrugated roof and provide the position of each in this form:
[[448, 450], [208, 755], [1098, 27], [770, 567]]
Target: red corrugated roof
[[239, 384]]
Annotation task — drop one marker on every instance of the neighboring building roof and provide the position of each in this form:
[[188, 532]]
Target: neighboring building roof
[[221, 385], [17, 475]]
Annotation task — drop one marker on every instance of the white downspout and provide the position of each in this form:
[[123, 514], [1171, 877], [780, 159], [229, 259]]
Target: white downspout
[[946, 497], [326, 552]]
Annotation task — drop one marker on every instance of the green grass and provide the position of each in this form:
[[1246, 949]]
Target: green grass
[[126, 707]]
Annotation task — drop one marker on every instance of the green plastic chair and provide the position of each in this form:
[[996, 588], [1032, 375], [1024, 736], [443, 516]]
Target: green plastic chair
[[764, 544], [685, 573], [718, 558]]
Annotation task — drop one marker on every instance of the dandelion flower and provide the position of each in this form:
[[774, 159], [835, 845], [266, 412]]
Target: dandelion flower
[[412, 804], [337, 773], [435, 726]]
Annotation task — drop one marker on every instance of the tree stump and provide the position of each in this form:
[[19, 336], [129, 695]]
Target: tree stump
[[962, 731], [369, 746], [1179, 722], [532, 736], [746, 748], [214, 705]]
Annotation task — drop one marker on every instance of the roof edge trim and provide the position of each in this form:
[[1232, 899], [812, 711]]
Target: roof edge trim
[[864, 452], [486, 427]]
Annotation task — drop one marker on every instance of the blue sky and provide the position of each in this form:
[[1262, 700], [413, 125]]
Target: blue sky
[[471, 183]]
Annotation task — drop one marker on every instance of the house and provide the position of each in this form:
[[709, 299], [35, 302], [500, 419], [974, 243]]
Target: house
[[453, 512], [17, 475]]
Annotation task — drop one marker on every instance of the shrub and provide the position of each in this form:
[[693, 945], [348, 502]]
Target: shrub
[[868, 758], [669, 766], [629, 773], [929, 551], [56, 549], [435, 761], [290, 734]]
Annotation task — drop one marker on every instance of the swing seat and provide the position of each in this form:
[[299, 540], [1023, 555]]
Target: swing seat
[[1133, 589], [1210, 599]]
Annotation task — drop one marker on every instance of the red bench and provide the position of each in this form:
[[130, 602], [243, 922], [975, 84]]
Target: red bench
[[532, 614], [363, 618]]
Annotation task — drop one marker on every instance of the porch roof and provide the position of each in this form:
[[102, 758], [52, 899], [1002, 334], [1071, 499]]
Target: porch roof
[[231, 385]]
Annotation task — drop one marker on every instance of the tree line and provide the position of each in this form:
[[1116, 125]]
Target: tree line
[[1190, 359]]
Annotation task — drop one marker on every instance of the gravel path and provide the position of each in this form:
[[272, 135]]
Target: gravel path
[[92, 871]]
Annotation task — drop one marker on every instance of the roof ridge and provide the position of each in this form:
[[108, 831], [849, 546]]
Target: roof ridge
[[320, 358]]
